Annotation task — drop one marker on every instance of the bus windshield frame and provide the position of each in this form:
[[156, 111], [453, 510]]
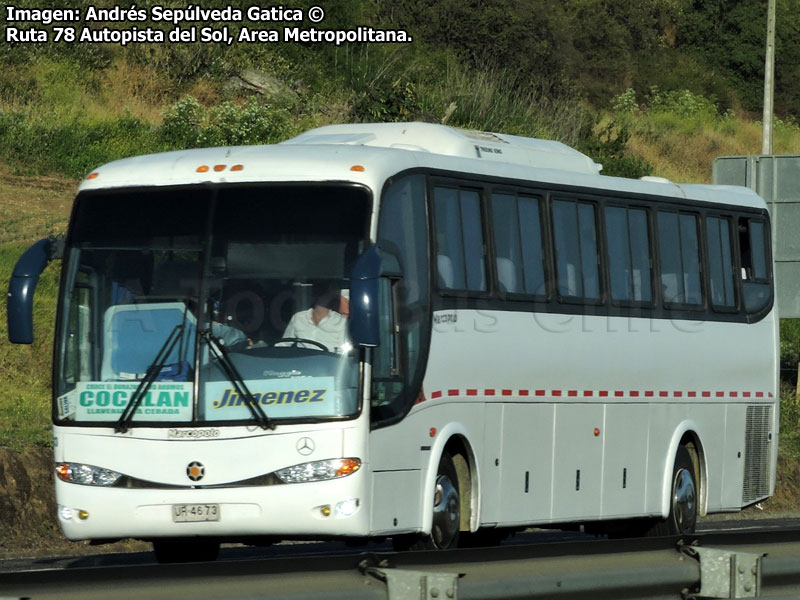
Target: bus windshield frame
[[156, 279]]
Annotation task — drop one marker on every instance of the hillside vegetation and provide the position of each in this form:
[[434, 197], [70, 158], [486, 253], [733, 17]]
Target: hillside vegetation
[[644, 87]]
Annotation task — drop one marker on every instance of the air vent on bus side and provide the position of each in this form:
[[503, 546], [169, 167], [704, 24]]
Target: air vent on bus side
[[757, 446]]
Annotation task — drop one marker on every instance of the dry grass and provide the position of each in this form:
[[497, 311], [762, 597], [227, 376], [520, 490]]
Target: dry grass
[[125, 86], [33, 207], [683, 158]]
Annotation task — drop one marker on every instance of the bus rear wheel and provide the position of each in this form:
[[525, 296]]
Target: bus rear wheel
[[185, 551], [683, 498]]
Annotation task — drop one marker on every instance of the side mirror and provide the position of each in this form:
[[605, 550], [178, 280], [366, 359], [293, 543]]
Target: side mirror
[[22, 286], [363, 322]]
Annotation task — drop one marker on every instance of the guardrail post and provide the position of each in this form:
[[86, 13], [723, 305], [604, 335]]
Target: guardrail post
[[406, 584], [727, 574]]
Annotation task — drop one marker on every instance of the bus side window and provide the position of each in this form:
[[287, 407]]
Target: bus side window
[[575, 238], [628, 243], [79, 334], [459, 239], [518, 243], [403, 240], [680, 259], [386, 369], [720, 261], [755, 273]]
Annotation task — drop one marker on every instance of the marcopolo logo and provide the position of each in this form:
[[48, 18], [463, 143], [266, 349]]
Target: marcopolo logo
[[230, 397]]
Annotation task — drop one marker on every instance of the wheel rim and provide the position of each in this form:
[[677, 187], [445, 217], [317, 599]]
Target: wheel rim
[[684, 500], [446, 513]]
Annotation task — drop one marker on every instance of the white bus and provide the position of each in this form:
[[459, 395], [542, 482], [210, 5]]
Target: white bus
[[510, 339]]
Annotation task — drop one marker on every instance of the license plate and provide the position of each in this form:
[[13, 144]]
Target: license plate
[[187, 513]]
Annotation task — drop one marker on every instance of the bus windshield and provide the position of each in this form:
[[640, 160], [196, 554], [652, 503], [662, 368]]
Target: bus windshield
[[159, 279]]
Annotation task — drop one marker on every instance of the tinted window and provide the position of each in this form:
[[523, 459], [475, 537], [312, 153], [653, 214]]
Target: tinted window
[[576, 249], [753, 241], [532, 255], [397, 362], [628, 254], [459, 239], [758, 248], [680, 259], [720, 262], [518, 244]]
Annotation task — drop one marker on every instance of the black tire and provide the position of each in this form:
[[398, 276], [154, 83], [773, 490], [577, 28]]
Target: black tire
[[446, 513], [185, 551], [683, 505]]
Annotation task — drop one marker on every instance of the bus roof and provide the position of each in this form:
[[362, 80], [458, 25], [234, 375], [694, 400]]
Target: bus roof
[[369, 153]]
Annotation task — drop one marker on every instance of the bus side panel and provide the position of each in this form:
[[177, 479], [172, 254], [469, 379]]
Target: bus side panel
[[625, 439], [578, 462], [395, 506], [520, 459]]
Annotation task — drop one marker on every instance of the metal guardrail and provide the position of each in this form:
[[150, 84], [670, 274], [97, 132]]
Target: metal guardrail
[[757, 565]]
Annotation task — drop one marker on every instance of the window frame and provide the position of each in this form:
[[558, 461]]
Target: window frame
[[599, 231], [702, 306], [735, 263], [652, 258], [489, 272], [544, 228]]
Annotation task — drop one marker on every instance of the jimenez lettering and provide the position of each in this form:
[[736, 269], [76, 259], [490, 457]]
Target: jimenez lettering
[[231, 398]]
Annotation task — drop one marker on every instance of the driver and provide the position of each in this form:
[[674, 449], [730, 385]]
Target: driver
[[320, 323]]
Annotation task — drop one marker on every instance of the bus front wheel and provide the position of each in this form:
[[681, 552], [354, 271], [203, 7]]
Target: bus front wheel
[[446, 513]]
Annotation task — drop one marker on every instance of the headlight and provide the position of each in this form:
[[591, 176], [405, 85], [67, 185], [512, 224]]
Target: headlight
[[319, 470], [86, 474]]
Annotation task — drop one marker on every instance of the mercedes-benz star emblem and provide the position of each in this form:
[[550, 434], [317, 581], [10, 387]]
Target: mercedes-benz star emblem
[[195, 471], [305, 446]]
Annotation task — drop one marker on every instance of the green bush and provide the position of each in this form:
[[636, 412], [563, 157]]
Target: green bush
[[790, 348], [182, 122], [187, 124]]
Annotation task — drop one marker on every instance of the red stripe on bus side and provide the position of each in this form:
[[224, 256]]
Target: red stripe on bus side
[[603, 393]]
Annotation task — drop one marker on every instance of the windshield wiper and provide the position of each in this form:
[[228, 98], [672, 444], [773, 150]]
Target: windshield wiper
[[219, 352], [125, 420]]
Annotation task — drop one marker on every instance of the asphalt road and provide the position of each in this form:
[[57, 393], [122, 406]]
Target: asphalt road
[[296, 549]]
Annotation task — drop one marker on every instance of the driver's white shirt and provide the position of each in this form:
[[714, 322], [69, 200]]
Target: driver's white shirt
[[330, 332]]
